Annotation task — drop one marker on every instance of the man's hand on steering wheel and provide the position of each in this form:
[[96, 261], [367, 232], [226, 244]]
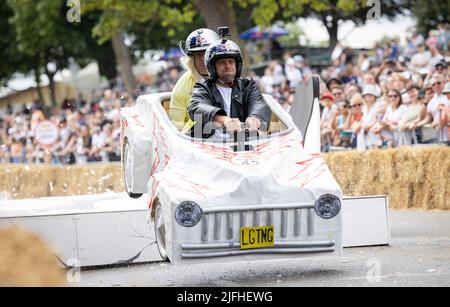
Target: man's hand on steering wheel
[[232, 124], [252, 123]]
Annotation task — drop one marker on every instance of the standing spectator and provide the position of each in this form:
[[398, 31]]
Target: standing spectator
[[420, 61], [338, 93], [16, 155], [445, 117], [441, 68], [67, 153], [304, 69], [98, 142], [414, 113], [277, 72], [391, 119], [293, 75], [437, 104], [353, 122], [339, 137], [368, 138], [351, 90], [435, 56], [444, 38], [111, 148], [84, 144], [267, 81]]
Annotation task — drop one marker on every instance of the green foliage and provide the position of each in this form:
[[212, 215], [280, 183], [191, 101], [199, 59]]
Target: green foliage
[[173, 15], [292, 39], [430, 14]]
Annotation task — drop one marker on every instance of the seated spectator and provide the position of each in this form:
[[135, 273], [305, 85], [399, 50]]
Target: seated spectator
[[328, 113]]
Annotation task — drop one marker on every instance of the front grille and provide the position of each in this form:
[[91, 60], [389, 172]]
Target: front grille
[[213, 218], [218, 239]]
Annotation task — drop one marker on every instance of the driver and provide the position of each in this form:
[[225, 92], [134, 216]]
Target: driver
[[194, 50], [226, 100]]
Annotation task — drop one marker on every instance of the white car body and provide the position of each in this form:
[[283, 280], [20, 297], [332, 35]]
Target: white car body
[[275, 183]]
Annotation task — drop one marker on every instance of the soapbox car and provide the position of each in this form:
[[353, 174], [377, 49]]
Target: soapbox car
[[244, 198]]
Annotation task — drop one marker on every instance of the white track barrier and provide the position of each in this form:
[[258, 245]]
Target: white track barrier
[[112, 228]]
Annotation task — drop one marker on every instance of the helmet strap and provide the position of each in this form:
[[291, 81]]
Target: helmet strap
[[222, 83]]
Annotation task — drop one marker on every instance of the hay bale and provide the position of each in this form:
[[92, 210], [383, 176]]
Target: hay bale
[[25, 260], [30, 181], [412, 177]]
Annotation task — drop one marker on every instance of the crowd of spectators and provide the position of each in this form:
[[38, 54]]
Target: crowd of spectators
[[89, 131], [389, 96], [88, 127]]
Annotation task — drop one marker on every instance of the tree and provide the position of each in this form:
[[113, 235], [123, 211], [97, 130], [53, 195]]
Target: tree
[[14, 61], [46, 42], [118, 17], [330, 12], [165, 22], [430, 14]]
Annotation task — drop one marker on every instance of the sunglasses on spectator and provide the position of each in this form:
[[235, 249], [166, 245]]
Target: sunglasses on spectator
[[436, 83], [393, 96], [356, 105]]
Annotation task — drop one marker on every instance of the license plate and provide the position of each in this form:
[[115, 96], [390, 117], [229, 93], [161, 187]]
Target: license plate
[[256, 237]]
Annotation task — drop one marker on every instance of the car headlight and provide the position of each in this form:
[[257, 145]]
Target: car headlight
[[188, 214], [327, 206]]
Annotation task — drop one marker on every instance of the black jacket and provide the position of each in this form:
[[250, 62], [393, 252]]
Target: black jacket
[[246, 100]]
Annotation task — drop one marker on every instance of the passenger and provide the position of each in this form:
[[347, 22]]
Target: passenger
[[194, 50], [226, 100]]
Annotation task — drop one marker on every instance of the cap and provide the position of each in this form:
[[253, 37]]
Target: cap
[[333, 80], [327, 95], [370, 89], [441, 63]]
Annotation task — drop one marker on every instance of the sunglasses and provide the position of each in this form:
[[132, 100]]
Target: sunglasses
[[393, 96], [437, 83], [356, 105]]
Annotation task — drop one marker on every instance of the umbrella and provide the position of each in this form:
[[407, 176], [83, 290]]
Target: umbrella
[[256, 33], [172, 53]]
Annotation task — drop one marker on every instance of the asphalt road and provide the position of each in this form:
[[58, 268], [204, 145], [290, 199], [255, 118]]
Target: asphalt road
[[419, 255]]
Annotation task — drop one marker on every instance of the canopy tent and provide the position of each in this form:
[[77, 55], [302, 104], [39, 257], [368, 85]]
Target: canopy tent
[[257, 33]]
